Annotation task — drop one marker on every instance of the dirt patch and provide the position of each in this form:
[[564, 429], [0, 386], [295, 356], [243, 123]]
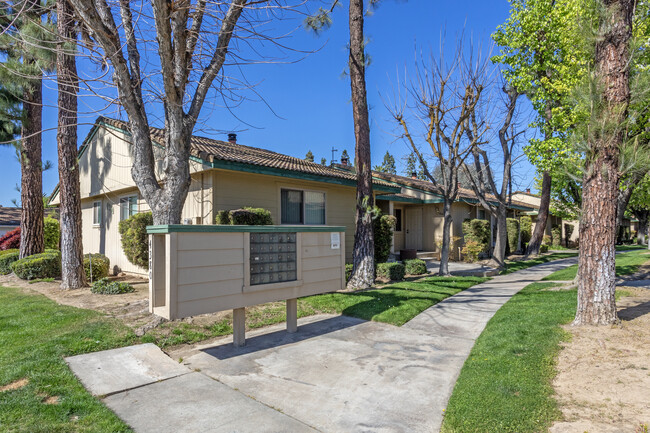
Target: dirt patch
[[604, 372], [46, 399], [17, 384]]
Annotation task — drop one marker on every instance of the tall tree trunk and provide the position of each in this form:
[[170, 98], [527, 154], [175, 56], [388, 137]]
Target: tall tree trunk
[[31, 183], [542, 217], [446, 237], [72, 270], [363, 272], [596, 263], [499, 255]]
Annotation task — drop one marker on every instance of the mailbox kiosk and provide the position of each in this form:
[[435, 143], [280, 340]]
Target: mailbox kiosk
[[199, 269]]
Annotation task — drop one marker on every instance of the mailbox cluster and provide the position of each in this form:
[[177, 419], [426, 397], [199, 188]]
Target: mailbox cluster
[[272, 258]]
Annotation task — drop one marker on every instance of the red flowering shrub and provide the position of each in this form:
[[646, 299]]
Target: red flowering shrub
[[10, 240]]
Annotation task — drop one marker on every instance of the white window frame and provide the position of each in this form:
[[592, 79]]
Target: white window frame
[[303, 190], [98, 205], [126, 199]]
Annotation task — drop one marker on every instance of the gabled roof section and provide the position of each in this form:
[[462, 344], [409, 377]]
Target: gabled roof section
[[231, 156]]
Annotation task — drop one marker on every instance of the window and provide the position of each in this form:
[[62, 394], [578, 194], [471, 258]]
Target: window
[[481, 214], [97, 213], [302, 207], [398, 220], [128, 207]]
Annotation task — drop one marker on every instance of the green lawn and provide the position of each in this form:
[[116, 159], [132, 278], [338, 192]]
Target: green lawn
[[35, 335], [523, 264], [505, 384], [626, 264]]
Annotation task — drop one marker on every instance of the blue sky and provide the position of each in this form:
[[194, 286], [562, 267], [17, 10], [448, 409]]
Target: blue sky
[[310, 98]]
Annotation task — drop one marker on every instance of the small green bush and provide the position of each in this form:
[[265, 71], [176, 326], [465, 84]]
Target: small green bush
[[246, 216], [106, 287], [383, 227], [51, 233], [135, 240], [513, 234], [44, 265], [415, 267], [477, 230], [556, 235], [348, 271], [471, 250], [7, 257], [526, 226], [546, 240], [391, 271], [223, 218], [101, 266], [543, 248]]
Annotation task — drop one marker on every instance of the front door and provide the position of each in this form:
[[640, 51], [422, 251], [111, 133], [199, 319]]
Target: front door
[[414, 228]]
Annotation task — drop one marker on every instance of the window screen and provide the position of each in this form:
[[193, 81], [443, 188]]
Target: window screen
[[314, 207], [128, 207], [97, 212], [292, 208]]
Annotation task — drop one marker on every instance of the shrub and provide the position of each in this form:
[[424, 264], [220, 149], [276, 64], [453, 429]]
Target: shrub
[[348, 271], [135, 241], [10, 240], [106, 287], [556, 235], [471, 250], [44, 265], [7, 257], [546, 240], [391, 271], [101, 266], [51, 233], [526, 227], [512, 225], [477, 230], [415, 267], [543, 248], [246, 216], [383, 227], [223, 218]]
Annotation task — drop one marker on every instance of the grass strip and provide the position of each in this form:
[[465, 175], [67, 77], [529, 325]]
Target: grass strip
[[505, 384], [35, 334], [626, 263], [514, 266]]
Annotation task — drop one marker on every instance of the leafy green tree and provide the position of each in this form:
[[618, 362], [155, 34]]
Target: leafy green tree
[[309, 156], [414, 166], [323, 161], [542, 60], [26, 49], [387, 165], [639, 207]]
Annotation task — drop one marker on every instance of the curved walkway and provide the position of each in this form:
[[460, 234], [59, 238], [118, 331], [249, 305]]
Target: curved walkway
[[336, 374]]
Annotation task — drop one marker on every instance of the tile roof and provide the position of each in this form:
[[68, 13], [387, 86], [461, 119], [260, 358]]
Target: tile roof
[[425, 185], [211, 150], [10, 216]]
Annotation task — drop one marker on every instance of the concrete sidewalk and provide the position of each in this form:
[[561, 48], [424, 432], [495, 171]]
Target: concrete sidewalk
[[336, 374]]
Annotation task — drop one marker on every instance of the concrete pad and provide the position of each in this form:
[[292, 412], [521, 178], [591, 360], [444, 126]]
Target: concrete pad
[[343, 374], [196, 403], [111, 371]]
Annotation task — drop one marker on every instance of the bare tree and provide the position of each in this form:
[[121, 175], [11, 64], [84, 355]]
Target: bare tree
[[596, 263], [191, 41], [483, 182], [445, 96], [72, 270]]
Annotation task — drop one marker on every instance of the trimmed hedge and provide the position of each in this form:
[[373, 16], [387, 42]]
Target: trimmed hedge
[[391, 271], [101, 266], [135, 241], [106, 287], [471, 250], [526, 227], [556, 235], [477, 230], [415, 267], [7, 257], [246, 216], [10, 240], [51, 233], [512, 225], [383, 228], [44, 265]]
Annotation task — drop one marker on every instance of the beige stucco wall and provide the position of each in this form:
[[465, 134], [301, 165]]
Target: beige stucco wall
[[233, 190]]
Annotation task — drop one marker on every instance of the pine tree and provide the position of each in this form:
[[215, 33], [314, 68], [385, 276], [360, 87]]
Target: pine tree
[[323, 161], [309, 157], [387, 165]]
